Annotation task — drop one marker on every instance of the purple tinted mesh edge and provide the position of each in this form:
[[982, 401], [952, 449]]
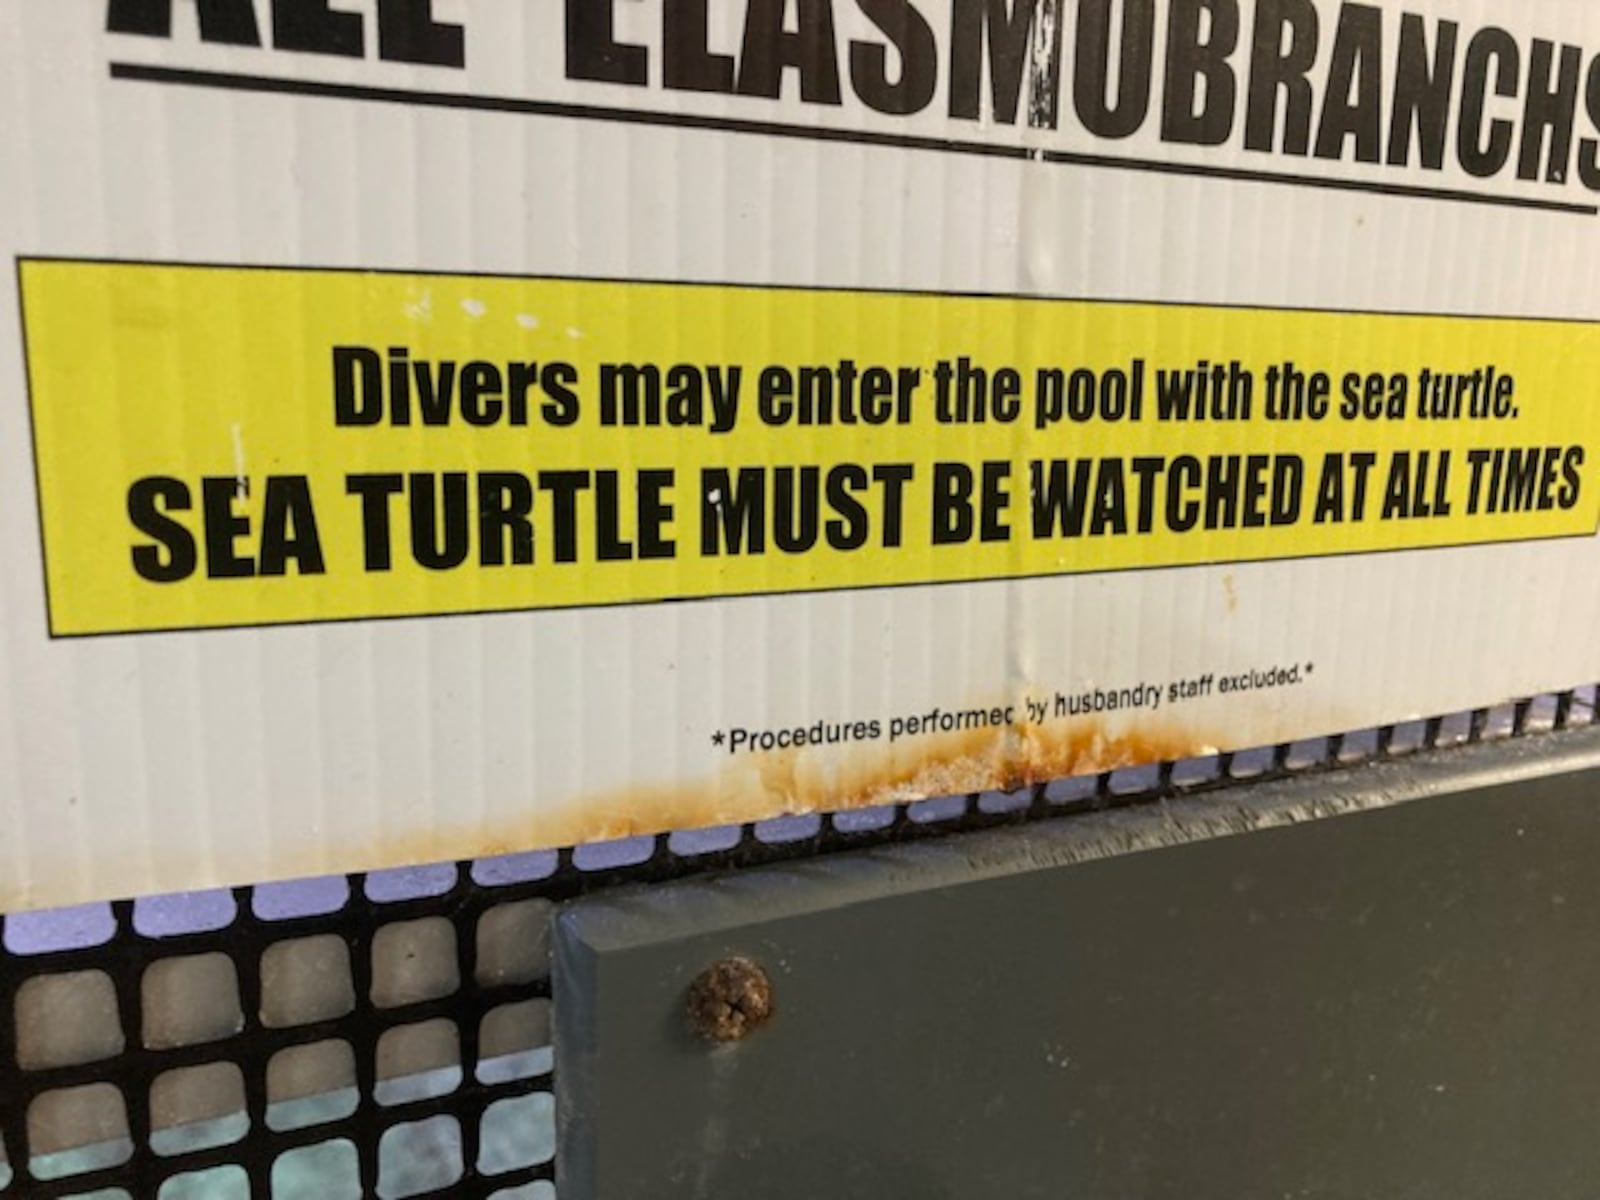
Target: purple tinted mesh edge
[[79, 927], [410, 883]]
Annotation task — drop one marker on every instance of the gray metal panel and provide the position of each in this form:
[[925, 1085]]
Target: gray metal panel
[[1389, 989]]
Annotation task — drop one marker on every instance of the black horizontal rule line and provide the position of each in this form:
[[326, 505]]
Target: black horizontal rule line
[[230, 81]]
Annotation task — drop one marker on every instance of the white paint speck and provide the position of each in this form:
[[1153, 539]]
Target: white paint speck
[[474, 308], [1041, 97], [527, 320], [422, 308], [573, 332], [714, 495]]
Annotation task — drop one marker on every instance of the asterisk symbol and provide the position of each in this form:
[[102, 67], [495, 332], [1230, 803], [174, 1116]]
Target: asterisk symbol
[[718, 738]]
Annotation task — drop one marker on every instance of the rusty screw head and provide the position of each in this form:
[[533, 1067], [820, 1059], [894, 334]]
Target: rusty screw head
[[730, 1000]]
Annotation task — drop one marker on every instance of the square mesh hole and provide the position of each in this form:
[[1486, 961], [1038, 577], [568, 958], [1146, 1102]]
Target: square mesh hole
[[507, 869], [64, 1020], [1306, 754], [688, 843], [197, 1108], [186, 912], [860, 820], [1455, 729], [1132, 781], [996, 803], [514, 1042], [413, 961], [1074, 790], [793, 828], [1407, 737], [410, 883], [49, 931], [514, 943], [300, 898], [219, 1183], [1583, 705], [326, 1171], [941, 808], [306, 980], [613, 855], [1248, 764], [1541, 714], [189, 1001], [311, 1085], [418, 1158], [1192, 772], [528, 1191], [516, 1133], [1500, 722], [1358, 745], [76, 1130], [418, 1062]]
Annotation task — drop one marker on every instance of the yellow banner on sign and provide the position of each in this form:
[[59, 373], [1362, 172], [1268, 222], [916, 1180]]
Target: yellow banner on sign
[[222, 446]]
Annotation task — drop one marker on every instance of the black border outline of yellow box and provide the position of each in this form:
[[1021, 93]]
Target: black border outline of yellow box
[[38, 481]]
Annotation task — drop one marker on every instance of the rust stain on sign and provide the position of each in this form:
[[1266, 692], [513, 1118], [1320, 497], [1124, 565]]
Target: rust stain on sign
[[778, 783], [751, 787]]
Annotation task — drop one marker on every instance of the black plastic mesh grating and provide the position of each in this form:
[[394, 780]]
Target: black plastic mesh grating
[[389, 1035]]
